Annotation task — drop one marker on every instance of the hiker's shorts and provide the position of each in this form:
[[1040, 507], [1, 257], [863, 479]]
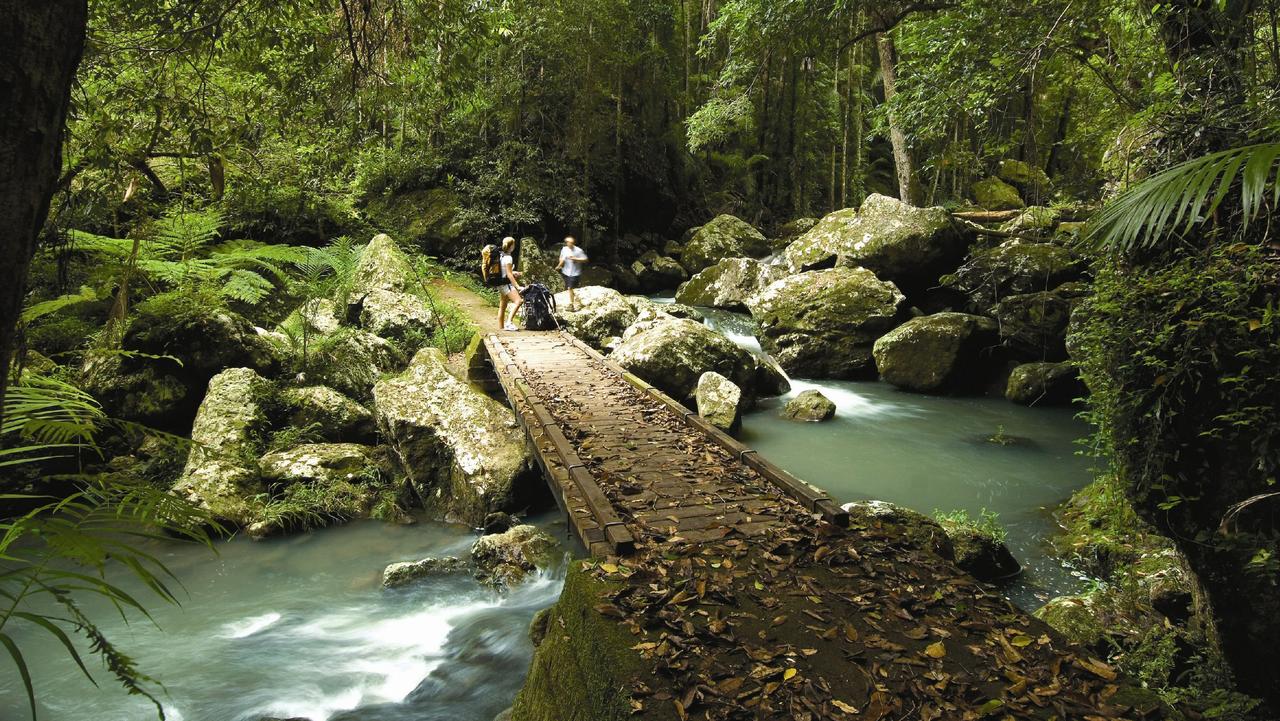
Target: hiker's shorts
[[571, 281]]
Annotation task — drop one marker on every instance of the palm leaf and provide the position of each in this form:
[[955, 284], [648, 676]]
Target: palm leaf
[[1176, 199]]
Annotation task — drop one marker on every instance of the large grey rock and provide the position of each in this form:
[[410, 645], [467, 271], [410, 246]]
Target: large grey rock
[[789, 232], [1046, 384], [221, 475], [404, 573], [809, 406], [319, 463], [387, 288], [935, 352], [1012, 268], [724, 237], [895, 240], [383, 266], [995, 194], [655, 272], [459, 448], [729, 283], [719, 401], [395, 315], [602, 313], [505, 559], [351, 361], [822, 324], [334, 416], [673, 353]]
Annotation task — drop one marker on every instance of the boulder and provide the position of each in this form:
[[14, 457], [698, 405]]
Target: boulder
[[383, 266], [1077, 618], [174, 345], [729, 283], [995, 194], [539, 266], [1035, 220], [1035, 324], [771, 380], [724, 237], [790, 232], [461, 450], [917, 528], [220, 475], [601, 313], [403, 573], [538, 626], [810, 406], [427, 219], [1046, 384], [673, 353], [822, 324], [641, 304], [505, 559], [334, 416], [1028, 178], [981, 554], [351, 361], [1011, 268], [893, 239], [319, 463], [395, 315], [655, 272], [497, 522], [719, 401], [672, 248], [935, 352]]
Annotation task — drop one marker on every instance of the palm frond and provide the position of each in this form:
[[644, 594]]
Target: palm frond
[[1176, 199]]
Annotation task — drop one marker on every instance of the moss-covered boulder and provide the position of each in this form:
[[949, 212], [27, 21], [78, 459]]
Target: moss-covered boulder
[[319, 463], [936, 352], [428, 220], [1011, 268], [351, 361], [729, 283], [1077, 618], [386, 292], [460, 449], [1022, 175], [602, 313], [505, 559], [771, 379], [585, 666], [723, 237], [1035, 220], [917, 528], [822, 324], [895, 240], [995, 194], [174, 345], [538, 265], [222, 474], [673, 353], [789, 232], [981, 553], [1045, 384], [1034, 325], [383, 266], [332, 415], [656, 272], [810, 406], [719, 401]]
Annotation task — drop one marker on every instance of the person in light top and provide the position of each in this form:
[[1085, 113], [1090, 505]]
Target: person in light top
[[570, 266], [511, 291]]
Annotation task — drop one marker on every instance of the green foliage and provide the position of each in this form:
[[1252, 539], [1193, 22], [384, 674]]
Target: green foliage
[[986, 522], [290, 437]]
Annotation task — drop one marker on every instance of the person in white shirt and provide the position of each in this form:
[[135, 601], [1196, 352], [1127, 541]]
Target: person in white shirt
[[511, 291], [570, 266]]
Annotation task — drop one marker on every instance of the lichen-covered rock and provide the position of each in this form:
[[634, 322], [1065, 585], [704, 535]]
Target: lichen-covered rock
[[995, 194], [719, 401], [935, 352], [1035, 324], [729, 283], [1077, 618], [320, 463], [790, 232], [601, 313], [403, 573], [893, 239], [981, 554], [459, 448], [919, 529], [1035, 220], [1011, 268], [221, 475], [383, 266], [395, 315], [351, 361], [724, 237], [822, 324], [673, 353], [505, 559], [655, 272], [1024, 176], [334, 416], [643, 304], [1045, 384], [809, 406]]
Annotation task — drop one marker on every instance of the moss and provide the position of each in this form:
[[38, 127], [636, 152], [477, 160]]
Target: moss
[[585, 666]]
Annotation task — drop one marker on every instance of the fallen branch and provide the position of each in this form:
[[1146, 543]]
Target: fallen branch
[[987, 216]]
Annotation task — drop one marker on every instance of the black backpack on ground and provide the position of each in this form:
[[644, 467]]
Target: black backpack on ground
[[539, 308]]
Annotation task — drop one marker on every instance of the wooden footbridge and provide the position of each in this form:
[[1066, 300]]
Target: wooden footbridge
[[749, 594]]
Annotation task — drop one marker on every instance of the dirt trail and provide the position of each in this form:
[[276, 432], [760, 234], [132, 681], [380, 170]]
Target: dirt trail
[[476, 307]]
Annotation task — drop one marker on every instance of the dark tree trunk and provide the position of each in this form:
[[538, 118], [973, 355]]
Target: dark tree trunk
[[42, 44]]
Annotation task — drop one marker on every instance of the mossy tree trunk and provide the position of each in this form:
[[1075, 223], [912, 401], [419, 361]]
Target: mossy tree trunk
[[43, 42]]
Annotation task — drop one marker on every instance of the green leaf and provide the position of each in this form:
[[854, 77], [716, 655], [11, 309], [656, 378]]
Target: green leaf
[[21, 663]]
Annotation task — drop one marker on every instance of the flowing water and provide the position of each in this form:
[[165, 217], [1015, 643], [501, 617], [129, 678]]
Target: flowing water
[[300, 627]]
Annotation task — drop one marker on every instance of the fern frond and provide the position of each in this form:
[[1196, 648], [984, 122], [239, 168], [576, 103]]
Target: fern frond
[[43, 308], [245, 286], [1144, 214]]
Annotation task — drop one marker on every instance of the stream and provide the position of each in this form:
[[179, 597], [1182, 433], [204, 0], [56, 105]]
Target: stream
[[299, 627]]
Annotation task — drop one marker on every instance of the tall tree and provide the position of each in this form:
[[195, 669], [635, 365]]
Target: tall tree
[[44, 41], [908, 187]]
